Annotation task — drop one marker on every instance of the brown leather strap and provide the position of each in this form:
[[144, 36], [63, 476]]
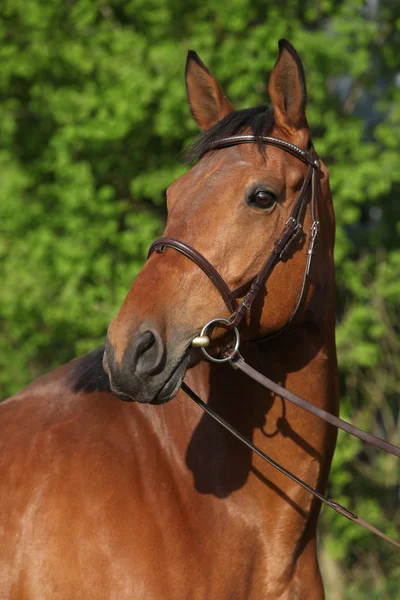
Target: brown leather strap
[[292, 229], [239, 363], [342, 510], [207, 268], [234, 140]]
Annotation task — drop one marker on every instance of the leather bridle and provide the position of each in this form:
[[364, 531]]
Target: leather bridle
[[291, 231]]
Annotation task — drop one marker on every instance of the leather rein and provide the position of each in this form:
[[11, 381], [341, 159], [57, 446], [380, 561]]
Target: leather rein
[[248, 292]]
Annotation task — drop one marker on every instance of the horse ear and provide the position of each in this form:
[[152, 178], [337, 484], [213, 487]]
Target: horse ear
[[287, 89], [207, 101]]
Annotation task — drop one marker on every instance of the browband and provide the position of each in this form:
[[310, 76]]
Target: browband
[[308, 157]]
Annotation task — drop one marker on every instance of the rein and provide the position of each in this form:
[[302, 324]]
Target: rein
[[339, 508], [292, 230]]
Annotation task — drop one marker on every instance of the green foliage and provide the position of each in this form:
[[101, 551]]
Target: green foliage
[[93, 120]]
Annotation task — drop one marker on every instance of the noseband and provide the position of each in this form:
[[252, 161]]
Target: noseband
[[291, 231]]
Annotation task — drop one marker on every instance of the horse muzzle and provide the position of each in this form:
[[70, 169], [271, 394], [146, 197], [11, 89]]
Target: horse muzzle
[[148, 372]]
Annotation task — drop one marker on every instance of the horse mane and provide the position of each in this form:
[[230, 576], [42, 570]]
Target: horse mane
[[259, 119], [87, 374]]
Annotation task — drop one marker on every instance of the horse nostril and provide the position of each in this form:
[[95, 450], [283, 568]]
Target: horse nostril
[[149, 353], [145, 342], [144, 357]]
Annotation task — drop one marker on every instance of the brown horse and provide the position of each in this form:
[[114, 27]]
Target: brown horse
[[152, 500]]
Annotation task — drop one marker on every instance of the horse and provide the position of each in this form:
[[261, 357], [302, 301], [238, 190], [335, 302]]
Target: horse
[[149, 498]]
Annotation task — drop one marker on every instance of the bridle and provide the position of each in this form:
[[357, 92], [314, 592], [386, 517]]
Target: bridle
[[248, 292], [290, 233]]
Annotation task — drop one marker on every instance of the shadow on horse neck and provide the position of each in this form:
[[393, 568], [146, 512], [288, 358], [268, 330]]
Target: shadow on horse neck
[[219, 462]]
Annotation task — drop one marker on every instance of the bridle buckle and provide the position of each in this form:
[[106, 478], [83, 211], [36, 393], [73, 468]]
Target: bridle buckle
[[314, 232]]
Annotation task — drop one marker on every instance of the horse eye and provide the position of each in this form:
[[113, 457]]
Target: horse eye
[[263, 199]]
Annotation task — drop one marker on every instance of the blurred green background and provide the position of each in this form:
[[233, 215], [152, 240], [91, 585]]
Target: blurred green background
[[93, 121]]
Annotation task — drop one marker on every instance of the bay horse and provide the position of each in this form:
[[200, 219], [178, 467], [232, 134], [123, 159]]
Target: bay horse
[[150, 499]]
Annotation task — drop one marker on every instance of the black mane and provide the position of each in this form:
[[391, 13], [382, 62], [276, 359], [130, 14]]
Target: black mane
[[88, 375], [259, 120]]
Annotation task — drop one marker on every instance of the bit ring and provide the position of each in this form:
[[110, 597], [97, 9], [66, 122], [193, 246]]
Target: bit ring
[[235, 349]]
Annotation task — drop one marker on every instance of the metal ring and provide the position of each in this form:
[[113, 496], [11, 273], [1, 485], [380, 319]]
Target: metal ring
[[235, 348]]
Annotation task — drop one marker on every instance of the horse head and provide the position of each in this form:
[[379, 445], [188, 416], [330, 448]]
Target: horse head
[[231, 207]]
